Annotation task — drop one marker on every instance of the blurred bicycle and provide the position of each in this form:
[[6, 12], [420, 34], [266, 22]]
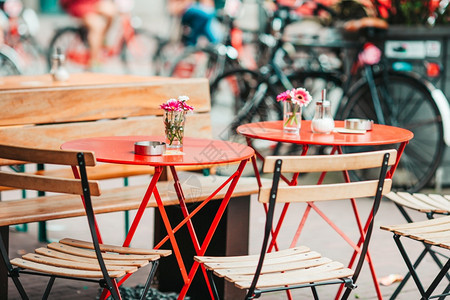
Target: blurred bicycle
[[20, 27], [129, 48], [239, 46], [368, 88], [9, 61]]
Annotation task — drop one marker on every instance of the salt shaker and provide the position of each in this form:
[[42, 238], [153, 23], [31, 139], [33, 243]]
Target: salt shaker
[[323, 121], [58, 70]]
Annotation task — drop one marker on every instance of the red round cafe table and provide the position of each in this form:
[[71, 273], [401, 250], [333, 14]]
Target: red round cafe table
[[273, 131], [379, 135], [195, 152], [120, 149]]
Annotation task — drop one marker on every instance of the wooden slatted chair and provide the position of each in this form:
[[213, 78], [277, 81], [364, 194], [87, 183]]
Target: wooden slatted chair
[[69, 258], [431, 205], [432, 233], [300, 267]]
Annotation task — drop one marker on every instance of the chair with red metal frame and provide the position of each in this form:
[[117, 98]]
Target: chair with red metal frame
[[69, 258], [299, 267]]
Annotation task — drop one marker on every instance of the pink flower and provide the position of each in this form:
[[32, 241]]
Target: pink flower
[[284, 96], [171, 105], [300, 96], [186, 107], [177, 104]]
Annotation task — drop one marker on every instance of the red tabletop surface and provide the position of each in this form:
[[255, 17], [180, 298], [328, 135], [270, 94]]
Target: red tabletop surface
[[120, 149], [273, 131]]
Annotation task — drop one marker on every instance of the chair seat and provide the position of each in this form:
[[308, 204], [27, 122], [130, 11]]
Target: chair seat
[[421, 202], [292, 266], [74, 258], [433, 232]]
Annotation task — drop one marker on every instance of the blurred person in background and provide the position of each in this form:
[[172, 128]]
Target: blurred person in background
[[97, 16], [200, 18]]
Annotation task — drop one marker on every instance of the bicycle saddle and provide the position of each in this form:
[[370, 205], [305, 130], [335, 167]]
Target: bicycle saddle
[[365, 23]]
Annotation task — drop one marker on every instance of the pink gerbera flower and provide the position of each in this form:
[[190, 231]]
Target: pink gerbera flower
[[300, 96], [284, 96], [171, 105], [186, 107], [177, 104]]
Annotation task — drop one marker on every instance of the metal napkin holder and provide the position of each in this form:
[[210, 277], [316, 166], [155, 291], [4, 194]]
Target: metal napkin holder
[[358, 124]]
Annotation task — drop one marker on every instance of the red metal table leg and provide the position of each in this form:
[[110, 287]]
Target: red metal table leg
[[189, 224], [151, 188], [213, 227]]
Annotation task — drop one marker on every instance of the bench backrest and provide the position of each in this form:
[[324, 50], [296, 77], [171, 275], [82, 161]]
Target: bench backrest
[[36, 112]]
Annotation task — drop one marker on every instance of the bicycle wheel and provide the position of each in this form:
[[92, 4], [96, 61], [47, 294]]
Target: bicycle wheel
[[208, 62], [242, 96], [30, 54], [138, 52], [163, 58], [407, 103], [73, 43], [8, 66]]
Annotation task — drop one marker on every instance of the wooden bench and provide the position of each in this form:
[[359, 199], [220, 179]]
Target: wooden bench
[[37, 112]]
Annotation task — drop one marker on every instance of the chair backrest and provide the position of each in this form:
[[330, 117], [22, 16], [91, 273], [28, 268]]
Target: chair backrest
[[327, 163], [340, 190], [44, 183]]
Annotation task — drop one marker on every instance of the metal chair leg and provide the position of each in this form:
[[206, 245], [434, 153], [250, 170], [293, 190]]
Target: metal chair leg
[[409, 264], [445, 293], [437, 280], [213, 284], [49, 288], [19, 287], [12, 272], [419, 259], [149, 279], [408, 275], [115, 293], [314, 292]]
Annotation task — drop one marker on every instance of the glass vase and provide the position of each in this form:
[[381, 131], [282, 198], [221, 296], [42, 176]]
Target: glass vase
[[292, 117], [174, 128]]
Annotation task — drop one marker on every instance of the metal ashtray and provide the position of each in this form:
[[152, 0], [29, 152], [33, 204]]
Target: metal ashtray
[[149, 148], [358, 124]]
